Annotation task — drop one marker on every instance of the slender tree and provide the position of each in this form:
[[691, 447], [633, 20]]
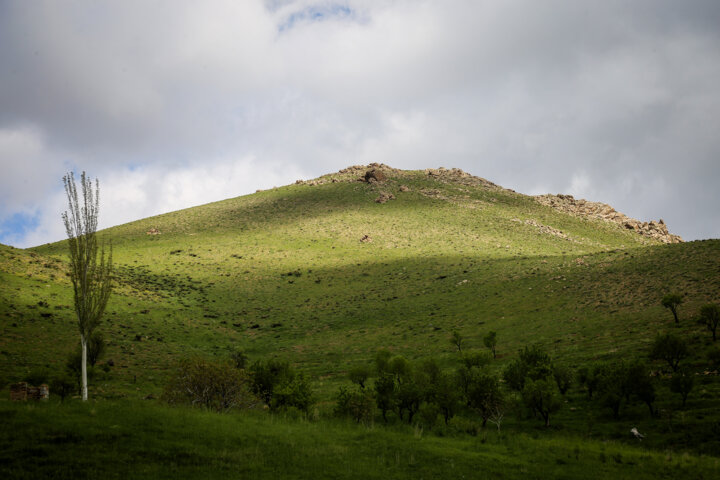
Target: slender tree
[[90, 272], [490, 341], [457, 339]]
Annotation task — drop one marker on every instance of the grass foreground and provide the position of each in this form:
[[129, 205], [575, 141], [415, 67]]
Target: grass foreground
[[124, 439]]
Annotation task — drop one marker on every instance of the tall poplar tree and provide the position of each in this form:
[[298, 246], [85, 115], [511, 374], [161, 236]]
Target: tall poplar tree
[[91, 274]]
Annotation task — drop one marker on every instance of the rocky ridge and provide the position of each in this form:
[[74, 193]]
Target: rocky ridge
[[584, 208], [378, 173]]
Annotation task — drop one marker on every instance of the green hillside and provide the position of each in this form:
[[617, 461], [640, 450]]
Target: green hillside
[[322, 275]]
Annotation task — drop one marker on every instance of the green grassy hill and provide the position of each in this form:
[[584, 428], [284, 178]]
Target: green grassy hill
[[321, 274]]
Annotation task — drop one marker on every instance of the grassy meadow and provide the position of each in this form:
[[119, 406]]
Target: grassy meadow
[[284, 273]]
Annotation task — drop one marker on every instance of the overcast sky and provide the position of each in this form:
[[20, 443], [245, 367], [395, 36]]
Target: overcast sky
[[174, 103]]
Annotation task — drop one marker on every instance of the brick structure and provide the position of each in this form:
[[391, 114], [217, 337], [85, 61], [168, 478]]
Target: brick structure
[[22, 392]]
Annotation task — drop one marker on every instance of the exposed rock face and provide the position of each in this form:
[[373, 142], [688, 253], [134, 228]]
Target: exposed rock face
[[583, 208], [374, 175], [456, 175]]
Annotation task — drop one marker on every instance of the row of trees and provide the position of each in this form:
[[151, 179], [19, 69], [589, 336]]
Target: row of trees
[[533, 381]]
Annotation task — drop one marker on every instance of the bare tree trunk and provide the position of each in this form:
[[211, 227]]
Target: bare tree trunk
[[83, 342]]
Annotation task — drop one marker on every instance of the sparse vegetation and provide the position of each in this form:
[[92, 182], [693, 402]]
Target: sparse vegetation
[[284, 274]]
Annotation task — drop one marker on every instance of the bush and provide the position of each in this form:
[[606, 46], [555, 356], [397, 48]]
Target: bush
[[279, 386], [356, 403], [214, 385], [475, 358], [295, 393]]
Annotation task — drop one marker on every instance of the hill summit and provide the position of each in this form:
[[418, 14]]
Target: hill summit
[[379, 173]]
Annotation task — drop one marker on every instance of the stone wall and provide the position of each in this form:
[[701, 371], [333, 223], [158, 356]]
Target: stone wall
[[21, 392]]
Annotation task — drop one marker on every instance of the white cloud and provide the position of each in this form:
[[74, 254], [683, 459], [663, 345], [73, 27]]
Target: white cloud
[[590, 97]]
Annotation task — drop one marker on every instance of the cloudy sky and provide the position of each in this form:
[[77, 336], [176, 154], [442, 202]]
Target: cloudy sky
[[175, 103]]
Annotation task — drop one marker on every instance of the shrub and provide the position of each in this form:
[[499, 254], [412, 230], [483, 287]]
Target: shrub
[[475, 358], [280, 386], [356, 403], [214, 385], [295, 393]]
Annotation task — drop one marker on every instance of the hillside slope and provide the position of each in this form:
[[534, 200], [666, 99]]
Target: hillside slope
[[321, 273]]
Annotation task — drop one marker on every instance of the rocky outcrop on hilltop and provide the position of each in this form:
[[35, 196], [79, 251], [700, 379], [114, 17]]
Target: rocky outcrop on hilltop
[[584, 208], [456, 175]]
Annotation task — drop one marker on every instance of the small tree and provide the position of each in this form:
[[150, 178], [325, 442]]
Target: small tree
[[357, 403], [541, 397], [671, 301], [710, 317], [210, 384], [484, 394], [682, 383], [670, 348], [490, 341], [457, 339], [359, 375], [90, 273]]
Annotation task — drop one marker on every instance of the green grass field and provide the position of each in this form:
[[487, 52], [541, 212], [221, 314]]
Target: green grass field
[[284, 273]]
